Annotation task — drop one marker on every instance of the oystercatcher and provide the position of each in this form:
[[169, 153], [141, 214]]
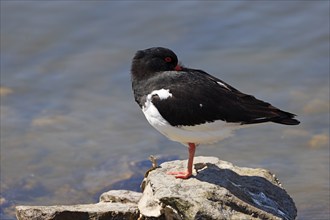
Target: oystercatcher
[[191, 106]]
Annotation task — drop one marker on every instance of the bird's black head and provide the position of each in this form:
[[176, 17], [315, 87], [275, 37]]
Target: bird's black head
[[150, 61]]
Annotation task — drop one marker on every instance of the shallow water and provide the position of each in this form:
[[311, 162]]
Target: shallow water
[[69, 124]]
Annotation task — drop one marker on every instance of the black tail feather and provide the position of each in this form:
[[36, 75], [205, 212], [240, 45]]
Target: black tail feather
[[287, 121], [279, 116]]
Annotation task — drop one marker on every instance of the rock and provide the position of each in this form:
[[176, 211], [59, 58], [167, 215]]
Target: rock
[[89, 211], [121, 196], [116, 204], [219, 190]]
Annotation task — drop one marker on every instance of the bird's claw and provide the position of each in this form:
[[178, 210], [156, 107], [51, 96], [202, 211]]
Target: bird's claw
[[180, 174]]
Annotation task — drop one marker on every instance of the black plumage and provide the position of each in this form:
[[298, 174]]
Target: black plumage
[[197, 96]]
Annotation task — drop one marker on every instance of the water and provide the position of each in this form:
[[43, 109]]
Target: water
[[69, 124]]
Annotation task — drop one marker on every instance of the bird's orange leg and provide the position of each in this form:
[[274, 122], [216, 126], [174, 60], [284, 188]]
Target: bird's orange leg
[[188, 173]]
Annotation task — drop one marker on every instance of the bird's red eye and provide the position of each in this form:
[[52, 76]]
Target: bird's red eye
[[168, 59]]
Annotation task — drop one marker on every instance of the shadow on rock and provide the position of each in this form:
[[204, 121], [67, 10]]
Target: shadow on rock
[[254, 190]]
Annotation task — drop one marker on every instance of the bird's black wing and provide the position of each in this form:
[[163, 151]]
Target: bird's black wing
[[198, 97]]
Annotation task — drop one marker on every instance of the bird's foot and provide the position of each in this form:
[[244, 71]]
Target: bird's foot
[[180, 174]]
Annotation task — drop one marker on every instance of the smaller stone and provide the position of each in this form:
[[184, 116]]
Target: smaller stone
[[121, 196]]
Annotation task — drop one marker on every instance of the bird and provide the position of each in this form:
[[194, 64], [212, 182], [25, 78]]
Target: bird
[[192, 107]]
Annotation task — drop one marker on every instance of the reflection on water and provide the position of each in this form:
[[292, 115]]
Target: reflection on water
[[69, 124]]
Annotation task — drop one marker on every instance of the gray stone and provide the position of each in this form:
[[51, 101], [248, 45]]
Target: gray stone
[[98, 211], [219, 190], [121, 196]]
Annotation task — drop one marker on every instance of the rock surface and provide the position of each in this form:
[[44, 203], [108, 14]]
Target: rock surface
[[218, 190], [116, 204], [121, 196]]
